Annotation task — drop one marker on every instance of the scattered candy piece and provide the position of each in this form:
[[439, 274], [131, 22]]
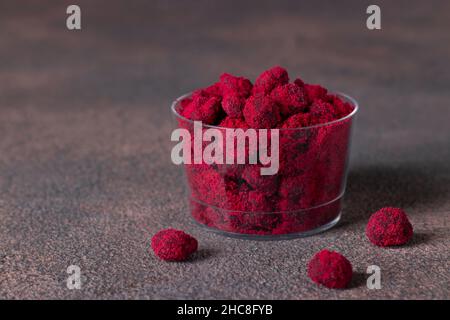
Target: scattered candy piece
[[389, 227], [173, 245], [330, 269]]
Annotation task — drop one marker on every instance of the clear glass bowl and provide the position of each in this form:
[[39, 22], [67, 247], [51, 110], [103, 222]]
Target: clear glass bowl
[[303, 198]]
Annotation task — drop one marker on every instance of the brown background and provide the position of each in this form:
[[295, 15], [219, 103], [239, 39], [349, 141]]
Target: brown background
[[85, 171]]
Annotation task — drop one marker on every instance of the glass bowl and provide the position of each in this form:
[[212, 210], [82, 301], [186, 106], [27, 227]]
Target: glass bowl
[[303, 198]]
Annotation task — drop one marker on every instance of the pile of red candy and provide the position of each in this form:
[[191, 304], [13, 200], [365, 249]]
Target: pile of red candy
[[305, 193]]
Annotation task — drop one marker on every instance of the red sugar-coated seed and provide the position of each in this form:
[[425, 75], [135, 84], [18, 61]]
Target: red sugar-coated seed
[[291, 99], [230, 172], [299, 82], [270, 79], [264, 183], [298, 120], [261, 112], [321, 112], [341, 108], [205, 109], [173, 245], [291, 187], [314, 92], [330, 269], [187, 108], [232, 104], [254, 223], [258, 201], [237, 199], [389, 227], [229, 122], [296, 192], [214, 90], [185, 102], [237, 85]]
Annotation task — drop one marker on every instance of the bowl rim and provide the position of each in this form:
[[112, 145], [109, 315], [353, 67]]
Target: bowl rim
[[337, 93]]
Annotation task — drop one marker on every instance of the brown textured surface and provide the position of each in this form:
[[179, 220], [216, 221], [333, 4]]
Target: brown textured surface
[[85, 173]]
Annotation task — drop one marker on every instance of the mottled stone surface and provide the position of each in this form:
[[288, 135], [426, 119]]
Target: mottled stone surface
[[85, 171]]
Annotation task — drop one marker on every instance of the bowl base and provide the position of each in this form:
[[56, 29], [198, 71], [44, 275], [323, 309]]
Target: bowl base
[[273, 237]]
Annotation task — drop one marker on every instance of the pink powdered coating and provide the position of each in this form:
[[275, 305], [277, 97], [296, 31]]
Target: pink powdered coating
[[230, 122], [331, 269], [232, 104], [305, 193], [315, 91], [264, 183], [341, 108], [232, 84], [261, 111], [298, 120], [291, 98], [321, 112], [202, 108], [213, 90], [270, 79], [173, 245], [389, 227]]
